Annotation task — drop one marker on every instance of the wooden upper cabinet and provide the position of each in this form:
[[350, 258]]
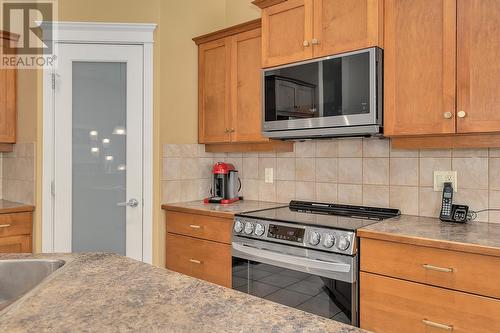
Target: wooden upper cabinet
[[287, 32], [8, 101], [297, 30], [246, 87], [478, 77], [342, 26], [214, 76], [230, 85], [419, 67]]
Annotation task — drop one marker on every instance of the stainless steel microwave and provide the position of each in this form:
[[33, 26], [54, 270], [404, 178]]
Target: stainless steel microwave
[[335, 96]]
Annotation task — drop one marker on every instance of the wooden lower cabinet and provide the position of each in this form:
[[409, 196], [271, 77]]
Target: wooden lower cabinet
[[16, 232], [16, 244], [392, 305], [455, 270], [203, 259], [200, 226]]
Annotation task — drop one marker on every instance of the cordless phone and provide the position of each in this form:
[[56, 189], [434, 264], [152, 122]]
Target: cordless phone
[[449, 211], [447, 201]]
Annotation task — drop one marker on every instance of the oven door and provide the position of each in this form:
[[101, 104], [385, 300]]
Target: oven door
[[313, 281]]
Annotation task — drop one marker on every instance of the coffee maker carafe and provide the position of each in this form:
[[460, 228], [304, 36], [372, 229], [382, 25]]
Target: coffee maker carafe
[[225, 184]]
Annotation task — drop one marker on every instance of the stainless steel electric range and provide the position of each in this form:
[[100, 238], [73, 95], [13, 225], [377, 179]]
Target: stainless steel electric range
[[304, 255]]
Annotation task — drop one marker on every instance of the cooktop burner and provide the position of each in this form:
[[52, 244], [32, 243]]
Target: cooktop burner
[[343, 217]]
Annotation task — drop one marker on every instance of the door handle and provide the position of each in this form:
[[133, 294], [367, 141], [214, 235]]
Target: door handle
[[131, 203]]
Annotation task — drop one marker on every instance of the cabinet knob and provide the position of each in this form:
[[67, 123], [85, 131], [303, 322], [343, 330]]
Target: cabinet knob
[[226, 130], [306, 43], [314, 41], [461, 114], [447, 115]]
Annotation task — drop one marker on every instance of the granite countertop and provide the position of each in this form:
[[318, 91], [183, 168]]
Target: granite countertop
[[7, 207], [473, 237], [218, 210], [109, 293]]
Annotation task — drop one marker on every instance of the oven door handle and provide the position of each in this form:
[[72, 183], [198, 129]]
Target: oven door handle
[[294, 260]]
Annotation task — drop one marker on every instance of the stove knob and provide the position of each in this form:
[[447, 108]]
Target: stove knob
[[314, 238], [328, 240], [238, 226], [248, 228], [343, 243], [259, 229]]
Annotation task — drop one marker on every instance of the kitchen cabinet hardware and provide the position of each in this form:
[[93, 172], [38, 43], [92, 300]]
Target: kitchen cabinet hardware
[[194, 261], [437, 268], [437, 325]]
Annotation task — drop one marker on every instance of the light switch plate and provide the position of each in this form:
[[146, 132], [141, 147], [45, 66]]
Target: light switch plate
[[269, 175], [441, 177]]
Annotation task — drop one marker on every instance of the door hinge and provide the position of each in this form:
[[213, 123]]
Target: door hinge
[[53, 80], [52, 188]]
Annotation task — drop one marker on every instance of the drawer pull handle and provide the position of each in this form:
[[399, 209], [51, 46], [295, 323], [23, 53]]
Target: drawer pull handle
[[437, 325], [437, 269], [194, 226], [4, 225], [194, 261]]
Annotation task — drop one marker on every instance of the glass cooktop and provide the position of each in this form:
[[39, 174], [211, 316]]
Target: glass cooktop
[[325, 215]]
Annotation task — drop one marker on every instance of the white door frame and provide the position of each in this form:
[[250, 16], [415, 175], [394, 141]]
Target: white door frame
[[99, 33]]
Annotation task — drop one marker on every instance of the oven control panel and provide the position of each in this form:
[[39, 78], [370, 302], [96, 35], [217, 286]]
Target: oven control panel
[[319, 238]]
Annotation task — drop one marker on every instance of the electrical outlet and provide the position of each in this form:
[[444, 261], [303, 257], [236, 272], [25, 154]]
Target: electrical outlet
[[441, 177], [269, 175]]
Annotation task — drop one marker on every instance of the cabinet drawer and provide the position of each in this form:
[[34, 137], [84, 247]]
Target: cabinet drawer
[[16, 244], [391, 305], [444, 268], [15, 224], [200, 226], [206, 260]]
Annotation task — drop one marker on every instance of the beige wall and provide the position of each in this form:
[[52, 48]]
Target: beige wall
[[175, 70], [238, 11], [183, 20]]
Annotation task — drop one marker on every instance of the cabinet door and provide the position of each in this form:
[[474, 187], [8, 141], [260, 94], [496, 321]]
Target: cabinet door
[[419, 67], [347, 25], [202, 259], [246, 87], [16, 244], [287, 32], [478, 66], [214, 77], [393, 306], [8, 115]]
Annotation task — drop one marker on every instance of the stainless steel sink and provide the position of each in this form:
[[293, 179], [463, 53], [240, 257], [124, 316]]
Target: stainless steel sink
[[17, 277]]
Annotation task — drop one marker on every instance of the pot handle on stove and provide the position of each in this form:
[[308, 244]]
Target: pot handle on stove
[[294, 260]]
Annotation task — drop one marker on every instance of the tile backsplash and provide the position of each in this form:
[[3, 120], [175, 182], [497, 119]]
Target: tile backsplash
[[351, 171], [17, 174]]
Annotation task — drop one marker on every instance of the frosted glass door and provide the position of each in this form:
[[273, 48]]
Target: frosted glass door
[[99, 156], [98, 140]]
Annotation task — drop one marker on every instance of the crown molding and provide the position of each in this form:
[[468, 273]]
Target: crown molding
[[266, 3], [97, 32], [250, 25]]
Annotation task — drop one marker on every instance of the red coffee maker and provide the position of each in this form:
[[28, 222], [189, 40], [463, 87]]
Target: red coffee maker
[[225, 184]]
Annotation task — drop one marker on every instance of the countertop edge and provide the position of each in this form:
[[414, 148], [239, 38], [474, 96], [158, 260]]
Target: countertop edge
[[428, 242], [17, 209], [174, 208]]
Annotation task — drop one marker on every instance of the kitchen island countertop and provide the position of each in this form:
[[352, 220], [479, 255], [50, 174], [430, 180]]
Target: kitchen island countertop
[[109, 293]]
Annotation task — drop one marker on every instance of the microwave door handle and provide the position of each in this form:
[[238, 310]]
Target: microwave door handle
[[294, 260]]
